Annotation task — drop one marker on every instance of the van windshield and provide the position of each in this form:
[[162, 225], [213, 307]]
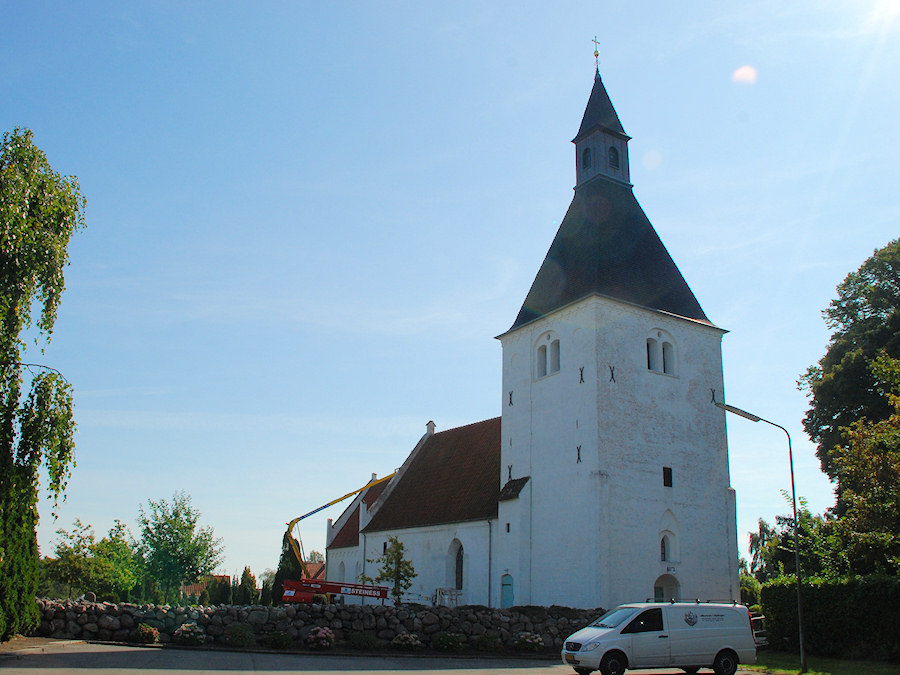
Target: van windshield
[[614, 617]]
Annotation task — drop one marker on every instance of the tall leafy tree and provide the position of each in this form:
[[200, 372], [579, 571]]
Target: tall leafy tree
[[869, 468], [843, 387], [174, 548], [39, 211]]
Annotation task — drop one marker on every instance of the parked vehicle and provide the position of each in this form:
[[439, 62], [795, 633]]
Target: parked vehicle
[[682, 635]]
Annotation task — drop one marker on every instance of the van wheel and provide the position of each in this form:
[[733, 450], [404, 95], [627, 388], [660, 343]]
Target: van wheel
[[692, 670], [614, 663], [583, 671], [726, 662]]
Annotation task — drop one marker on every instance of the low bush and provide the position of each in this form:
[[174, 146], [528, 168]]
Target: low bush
[[447, 642], [279, 640], [488, 643], [144, 634], [189, 634], [529, 642], [241, 636], [320, 638], [407, 642], [363, 641]]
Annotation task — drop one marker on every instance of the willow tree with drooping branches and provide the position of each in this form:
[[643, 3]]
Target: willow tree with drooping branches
[[39, 212]]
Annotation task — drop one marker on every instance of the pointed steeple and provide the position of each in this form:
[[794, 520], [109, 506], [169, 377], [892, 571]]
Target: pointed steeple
[[599, 113], [605, 244], [601, 144]]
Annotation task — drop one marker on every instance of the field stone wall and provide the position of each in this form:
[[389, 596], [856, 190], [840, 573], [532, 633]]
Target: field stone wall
[[117, 622]]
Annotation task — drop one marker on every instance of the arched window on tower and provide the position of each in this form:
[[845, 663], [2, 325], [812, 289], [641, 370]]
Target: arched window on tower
[[664, 549], [613, 158], [662, 356], [586, 159], [668, 358], [459, 569]]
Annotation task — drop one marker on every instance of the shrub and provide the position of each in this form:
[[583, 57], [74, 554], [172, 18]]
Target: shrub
[[189, 634], [447, 642], [241, 636], [363, 641], [320, 638], [529, 642], [407, 642], [280, 640], [145, 635], [488, 643]]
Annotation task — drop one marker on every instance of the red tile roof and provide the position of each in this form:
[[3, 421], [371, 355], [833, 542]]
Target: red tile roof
[[349, 534], [452, 478]]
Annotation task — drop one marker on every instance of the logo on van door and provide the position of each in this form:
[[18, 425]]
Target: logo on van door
[[690, 618]]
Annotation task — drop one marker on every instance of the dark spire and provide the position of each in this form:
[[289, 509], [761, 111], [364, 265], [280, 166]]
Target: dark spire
[[599, 113]]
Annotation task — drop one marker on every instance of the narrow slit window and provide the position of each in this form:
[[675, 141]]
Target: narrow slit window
[[586, 159], [542, 361], [667, 476], [554, 356], [613, 158]]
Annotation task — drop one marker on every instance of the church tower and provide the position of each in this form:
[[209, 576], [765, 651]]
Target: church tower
[[614, 480]]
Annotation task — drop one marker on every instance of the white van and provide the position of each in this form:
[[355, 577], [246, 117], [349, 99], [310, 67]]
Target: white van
[[683, 635]]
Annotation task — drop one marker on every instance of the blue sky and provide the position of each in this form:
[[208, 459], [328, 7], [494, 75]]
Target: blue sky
[[308, 221]]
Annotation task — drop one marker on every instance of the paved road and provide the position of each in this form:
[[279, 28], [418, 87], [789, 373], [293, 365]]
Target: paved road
[[78, 658]]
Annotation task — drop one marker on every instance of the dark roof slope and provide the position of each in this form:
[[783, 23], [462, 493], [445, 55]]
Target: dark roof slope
[[599, 112], [349, 533], [606, 245], [452, 478]]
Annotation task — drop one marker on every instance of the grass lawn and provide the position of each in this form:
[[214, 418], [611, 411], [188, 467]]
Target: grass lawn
[[783, 663]]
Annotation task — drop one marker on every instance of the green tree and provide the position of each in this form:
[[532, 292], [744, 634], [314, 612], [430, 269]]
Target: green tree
[[267, 580], [109, 567], [844, 389], [245, 593], [395, 569], [219, 590], [759, 543], [173, 547], [288, 568], [39, 211], [869, 490]]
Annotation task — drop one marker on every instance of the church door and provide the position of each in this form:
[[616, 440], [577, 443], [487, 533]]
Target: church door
[[507, 595]]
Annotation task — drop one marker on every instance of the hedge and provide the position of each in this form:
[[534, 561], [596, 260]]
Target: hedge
[[852, 618]]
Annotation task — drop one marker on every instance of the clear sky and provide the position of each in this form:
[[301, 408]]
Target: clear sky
[[307, 221]]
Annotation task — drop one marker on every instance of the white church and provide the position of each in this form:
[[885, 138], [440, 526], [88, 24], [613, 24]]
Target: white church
[[605, 479]]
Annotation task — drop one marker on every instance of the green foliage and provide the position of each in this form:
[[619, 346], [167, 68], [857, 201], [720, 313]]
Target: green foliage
[[241, 636], [219, 591], [145, 634], [488, 642], [363, 641], [280, 640], [288, 568], [529, 642], [267, 579], [853, 618], [844, 389], [448, 642], [395, 569], [39, 211], [245, 591], [173, 547], [750, 588], [109, 567], [189, 634]]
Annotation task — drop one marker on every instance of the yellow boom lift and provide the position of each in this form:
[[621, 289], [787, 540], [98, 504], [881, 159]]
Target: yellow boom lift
[[297, 543]]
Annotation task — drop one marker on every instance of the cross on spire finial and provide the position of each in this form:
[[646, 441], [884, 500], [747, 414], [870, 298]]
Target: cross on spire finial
[[596, 53]]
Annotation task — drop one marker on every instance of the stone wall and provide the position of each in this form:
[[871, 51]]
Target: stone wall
[[111, 622]]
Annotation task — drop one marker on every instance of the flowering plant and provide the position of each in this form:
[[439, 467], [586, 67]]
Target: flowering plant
[[530, 642], [407, 642], [146, 634], [320, 638], [189, 634]]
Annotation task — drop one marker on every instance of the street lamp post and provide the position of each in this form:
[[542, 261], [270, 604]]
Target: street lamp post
[[757, 418]]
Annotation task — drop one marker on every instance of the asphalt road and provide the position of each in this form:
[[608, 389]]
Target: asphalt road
[[73, 658]]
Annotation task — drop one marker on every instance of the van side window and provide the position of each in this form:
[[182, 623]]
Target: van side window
[[645, 622]]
